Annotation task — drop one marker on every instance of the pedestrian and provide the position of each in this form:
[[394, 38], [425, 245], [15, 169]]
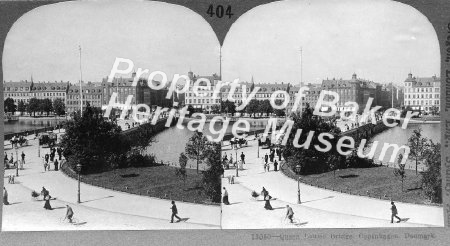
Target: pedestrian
[[266, 158], [47, 201], [69, 213], [44, 192], [5, 196], [289, 213], [11, 159], [23, 157], [12, 178], [174, 212], [6, 158], [59, 150], [56, 164], [267, 198], [47, 157], [394, 213], [225, 197], [225, 158], [232, 179], [275, 166], [264, 193], [243, 158], [279, 154]]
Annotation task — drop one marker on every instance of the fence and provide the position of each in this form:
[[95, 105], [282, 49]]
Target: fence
[[29, 132]]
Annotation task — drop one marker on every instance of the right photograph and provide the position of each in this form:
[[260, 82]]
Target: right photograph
[[333, 117]]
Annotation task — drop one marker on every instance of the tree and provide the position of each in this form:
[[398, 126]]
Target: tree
[[405, 111], [46, 105], [228, 107], [191, 110], [93, 142], [211, 177], [9, 105], [59, 107], [264, 107], [431, 178], [215, 109], [21, 107], [417, 145], [310, 159], [252, 107], [195, 147], [279, 112], [182, 160], [400, 171], [33, 106]]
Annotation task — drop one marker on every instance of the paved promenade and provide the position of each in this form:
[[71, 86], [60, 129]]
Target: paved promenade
[[320, 208], [101, 209]]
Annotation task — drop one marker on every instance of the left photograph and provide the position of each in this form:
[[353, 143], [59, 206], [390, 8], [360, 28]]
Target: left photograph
[[96, 134]]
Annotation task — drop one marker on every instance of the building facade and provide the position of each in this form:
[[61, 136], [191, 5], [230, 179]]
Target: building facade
[[203, 99], [18, 91], [422, 94], [51, 90], [353, 90], [92, 94]]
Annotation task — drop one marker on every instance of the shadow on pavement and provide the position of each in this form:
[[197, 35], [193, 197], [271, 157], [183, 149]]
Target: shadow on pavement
[[97, 199], [319, 199]]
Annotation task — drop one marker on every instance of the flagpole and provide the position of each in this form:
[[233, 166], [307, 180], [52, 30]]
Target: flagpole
[[301, 78], [81, 81]]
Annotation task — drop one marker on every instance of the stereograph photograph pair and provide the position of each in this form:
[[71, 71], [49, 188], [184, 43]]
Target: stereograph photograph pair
[[153, 115]]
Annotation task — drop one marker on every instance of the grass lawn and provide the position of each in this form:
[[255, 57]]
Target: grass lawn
[[378, 182], [159, 181]]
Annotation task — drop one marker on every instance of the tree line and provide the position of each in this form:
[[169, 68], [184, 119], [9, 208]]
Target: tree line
[[254, 107], [35, 105]]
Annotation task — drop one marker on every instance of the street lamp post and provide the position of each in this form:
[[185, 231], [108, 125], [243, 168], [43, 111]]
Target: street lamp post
[[17, 161], [297, 170], [237, 164], [259, 141], [79, 181]]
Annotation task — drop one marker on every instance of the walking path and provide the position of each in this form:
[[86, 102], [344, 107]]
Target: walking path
[[320, 208], [100, 209]]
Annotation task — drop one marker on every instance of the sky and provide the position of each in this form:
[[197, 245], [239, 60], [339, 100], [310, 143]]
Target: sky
[[378, 40], [157, 36]]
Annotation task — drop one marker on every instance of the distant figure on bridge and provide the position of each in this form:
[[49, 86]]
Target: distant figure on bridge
[[243, 158]]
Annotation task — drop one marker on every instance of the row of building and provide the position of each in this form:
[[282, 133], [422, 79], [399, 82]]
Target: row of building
[[418, 93]]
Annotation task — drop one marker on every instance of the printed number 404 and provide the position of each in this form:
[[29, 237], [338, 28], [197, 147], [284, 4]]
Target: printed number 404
[[220, 11]]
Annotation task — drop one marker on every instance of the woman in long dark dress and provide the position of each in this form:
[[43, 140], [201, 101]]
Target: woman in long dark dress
[[47, 202], [225, 197], [267, 205], [5, 196], [267, 197]]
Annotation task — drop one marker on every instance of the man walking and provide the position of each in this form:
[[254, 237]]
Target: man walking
[[289, 213], [69, 213], [174, 212], [394, 213], [243, 158], [266, 158]]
